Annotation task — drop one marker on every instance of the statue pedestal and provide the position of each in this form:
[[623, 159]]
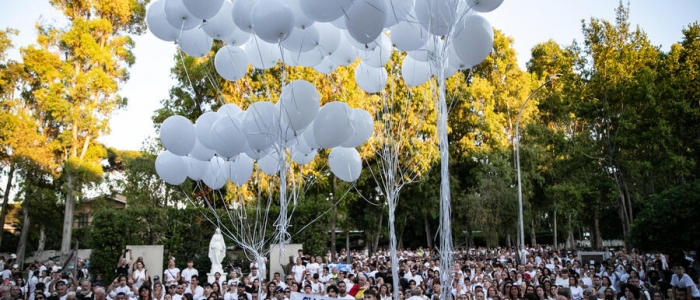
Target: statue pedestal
[[210, 277]]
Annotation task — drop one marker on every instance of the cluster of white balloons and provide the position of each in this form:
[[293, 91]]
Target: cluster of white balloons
[[223, 145], [325, 34]]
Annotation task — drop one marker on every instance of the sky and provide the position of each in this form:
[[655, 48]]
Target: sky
[[528, 22]]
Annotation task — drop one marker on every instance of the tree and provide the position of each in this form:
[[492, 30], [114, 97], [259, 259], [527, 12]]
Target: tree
[[75, 75]]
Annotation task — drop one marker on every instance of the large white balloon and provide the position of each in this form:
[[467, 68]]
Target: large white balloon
[[203, 9], [240, 169], [242, 10], [179, 16], [304, 59], [270, 163], [437, 16], [345, 163], [398, 11], [299, 104], [300, 18], [326, 66], [229, 109], [484, 6], [365, 20], [218, 173], [231, 63], [171, 168], [429, 52], [363, 127], [359, 45], [324, 10], [200, 152], [379, 56], [473, 40], [302, 39], [196, 169], [370, 79], [220, 25], [272, 20], [203, 127], [329, 38], [310, 138], [261, 54], [227, 136], [409, 36], [414, 72], [158, 24], [178, 135], [236, 36], [195, 42], [346, 54], [333, 124], [261, 125]]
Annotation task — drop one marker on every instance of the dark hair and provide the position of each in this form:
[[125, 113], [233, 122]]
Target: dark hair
[[633, 289], [371, 293], [333, 288]]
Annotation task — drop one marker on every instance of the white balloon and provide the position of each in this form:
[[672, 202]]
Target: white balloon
[[203, 9], [429, 52], [178, 135], [484, 6], [340, 23], [363, 128], [333, 124], [196, 169], [473, 40], [409, 36], [269, 163], [345, 163], [241, 14], [195, 42], [437, 16], [178, 16], [299, 104], [261, 54], [203, 128], [200, 152], [304, 59], [398, 11], [300, 145], [231, 63], [361, 46], [272, 20], [324, 10], [219, 26], [171, 168], [303, 158], [217, 175], [309, 138], [449, 70], [326, 66], [227, 136], [329, 38], [379, 56], [302, 39], [158, 24], [365, 20], [413, 72], [240, 169], [370, 79], [454, 61], [229, 109], [261, 125], [300, 18], [236, 36], [346, 54]]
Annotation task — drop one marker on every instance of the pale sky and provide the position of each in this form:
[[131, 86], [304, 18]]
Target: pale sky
[[529, 22]]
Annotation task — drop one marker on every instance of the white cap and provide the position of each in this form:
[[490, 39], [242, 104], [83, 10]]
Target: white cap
[[14, 256]]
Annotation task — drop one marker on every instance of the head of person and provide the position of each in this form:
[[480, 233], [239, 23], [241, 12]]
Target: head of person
[[144, 292], [99, 293], [120, 296], [631, 291], [61, 288], [370, 295], [194, 280], [332, 291]]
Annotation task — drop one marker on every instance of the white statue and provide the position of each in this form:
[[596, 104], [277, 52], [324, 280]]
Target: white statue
[[217, 251]]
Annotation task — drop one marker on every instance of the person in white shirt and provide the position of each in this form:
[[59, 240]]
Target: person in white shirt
[[343, 292], [563, 278], [299, 270], [681, 281], [188, 272], [194, 288], [313, 267], [171, 275]]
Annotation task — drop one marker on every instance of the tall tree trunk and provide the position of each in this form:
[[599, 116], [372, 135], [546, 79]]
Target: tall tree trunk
[[334, 217], [508, 244], [42, 243], [556, 243], [428, 231], [6, 198], [597, 237], [67, 220], [22, 247], [623, 208], [570, 241], [533, 235], [347, 235]]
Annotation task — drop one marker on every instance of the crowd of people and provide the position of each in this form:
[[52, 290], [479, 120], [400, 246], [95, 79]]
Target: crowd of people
[[538, 273]]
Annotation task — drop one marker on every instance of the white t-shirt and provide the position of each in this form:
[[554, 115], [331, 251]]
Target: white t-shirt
[[313, 268], [171, 275], [298, 271], [685, 282], [187, 274]]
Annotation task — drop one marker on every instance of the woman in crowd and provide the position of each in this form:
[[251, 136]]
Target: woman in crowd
[[157, 291], [145, 292], [384, 292], [140, 274], [576, 290], [514, 293], [539, 291]]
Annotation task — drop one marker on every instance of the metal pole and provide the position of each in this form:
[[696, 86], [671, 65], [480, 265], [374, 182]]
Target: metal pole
[[517, 162]]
